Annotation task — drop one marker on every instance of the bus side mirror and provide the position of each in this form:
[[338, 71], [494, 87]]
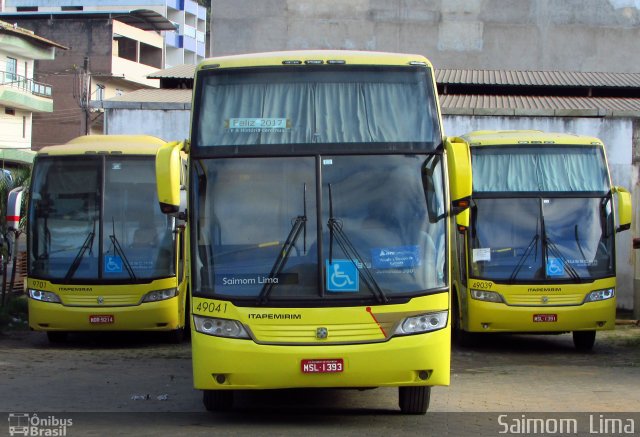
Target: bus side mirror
[[460, 182], [171, 180], [14, 202], [624, 208]]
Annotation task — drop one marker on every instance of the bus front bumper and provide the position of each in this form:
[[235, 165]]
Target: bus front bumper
[[498, 317], [227, 364], [150, 316]]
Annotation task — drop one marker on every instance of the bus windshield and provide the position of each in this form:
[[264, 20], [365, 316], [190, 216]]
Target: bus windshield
[[96, 218], [327, 104], [541, 214], [259, 236]]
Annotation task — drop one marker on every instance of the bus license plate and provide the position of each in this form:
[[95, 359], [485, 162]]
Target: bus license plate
[[322, 366], [545, 317], [101, 319]]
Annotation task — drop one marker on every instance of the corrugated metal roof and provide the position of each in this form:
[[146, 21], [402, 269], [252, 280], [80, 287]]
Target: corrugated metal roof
[[542, 105], [537, 78], [486, 77], [184, 71]]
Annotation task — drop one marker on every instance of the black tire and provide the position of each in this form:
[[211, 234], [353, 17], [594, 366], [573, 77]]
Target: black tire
[[414, 400], [176, 336], [57, 336], [217, 400], [584, 340]]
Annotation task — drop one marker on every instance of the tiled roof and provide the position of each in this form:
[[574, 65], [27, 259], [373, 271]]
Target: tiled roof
[[539, 105], [183, 71], [537, 78]]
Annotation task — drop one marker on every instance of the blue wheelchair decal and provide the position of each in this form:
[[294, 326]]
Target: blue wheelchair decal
[[555, 267], [112, 264], [342, 275]]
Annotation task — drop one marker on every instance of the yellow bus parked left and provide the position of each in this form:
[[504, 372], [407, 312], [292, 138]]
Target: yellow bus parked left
[[101, 255]]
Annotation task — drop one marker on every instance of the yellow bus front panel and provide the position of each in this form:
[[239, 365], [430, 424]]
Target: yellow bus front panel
[[152, 316], [561, 308], [283, 340], [246, 365], [95, 310]]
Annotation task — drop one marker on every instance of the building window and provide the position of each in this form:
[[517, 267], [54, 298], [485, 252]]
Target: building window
[[71, 8], [24, 126], [99, 93], [119, 92], [12, 69], [27, 9], [9, 111]]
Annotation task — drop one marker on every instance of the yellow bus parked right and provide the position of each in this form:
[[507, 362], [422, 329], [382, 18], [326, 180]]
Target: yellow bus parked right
[[539, 252]]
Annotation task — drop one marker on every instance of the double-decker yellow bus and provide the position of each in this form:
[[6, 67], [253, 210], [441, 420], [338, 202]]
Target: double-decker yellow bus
[[318, 205], [539, 253], [101, 255]]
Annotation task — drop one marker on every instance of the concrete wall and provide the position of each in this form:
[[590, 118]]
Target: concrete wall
[[573, 35], [168, 124], [616, 133]]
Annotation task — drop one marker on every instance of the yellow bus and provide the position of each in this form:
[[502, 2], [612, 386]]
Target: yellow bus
[[539, 253], [101, 255], [318, 205]]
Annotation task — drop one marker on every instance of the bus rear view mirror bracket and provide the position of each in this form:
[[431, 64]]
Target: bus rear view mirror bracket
[[171, 180], [624, 208]]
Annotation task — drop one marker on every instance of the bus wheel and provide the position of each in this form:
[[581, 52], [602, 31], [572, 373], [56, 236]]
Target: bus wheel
[[584, 340], [460, 337], [175, 336], [56, 336], [217, 400], [414, 400]]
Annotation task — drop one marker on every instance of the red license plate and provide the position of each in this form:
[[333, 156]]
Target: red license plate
[[545, 317], [335, 365], [101, 319]]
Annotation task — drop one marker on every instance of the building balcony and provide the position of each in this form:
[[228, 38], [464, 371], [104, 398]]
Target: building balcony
[[173, 39], [23, 93]]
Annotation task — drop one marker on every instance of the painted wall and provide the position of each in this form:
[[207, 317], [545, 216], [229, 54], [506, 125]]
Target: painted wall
[[573, 35], [617, 135], [168, 124]]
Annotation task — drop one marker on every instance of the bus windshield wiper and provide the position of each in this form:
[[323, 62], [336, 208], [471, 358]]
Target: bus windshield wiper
[[299, 224], [553, 249], [117, 249], [336, 232], [86, 245], [532, 244]]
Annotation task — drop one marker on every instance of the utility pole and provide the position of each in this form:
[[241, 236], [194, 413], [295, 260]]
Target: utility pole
[[86, 97]]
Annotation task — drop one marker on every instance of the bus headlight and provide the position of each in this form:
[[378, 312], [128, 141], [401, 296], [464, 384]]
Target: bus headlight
[[219, 327], [597, 295], [156, 295], [422, 323], [487, 296], [44, 296]]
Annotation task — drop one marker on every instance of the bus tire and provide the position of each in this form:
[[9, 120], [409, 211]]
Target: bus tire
[[584, 340], [175, 336], [57, 336], [217, 400], [414, 400], [459, 336]]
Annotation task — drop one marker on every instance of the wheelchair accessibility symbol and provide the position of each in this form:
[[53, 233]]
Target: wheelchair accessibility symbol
[[342, 275], [555, 267], [112, 264]]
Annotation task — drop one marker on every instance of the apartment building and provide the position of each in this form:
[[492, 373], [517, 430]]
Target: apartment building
[[110, 53], [184, 44], [20, 95]]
